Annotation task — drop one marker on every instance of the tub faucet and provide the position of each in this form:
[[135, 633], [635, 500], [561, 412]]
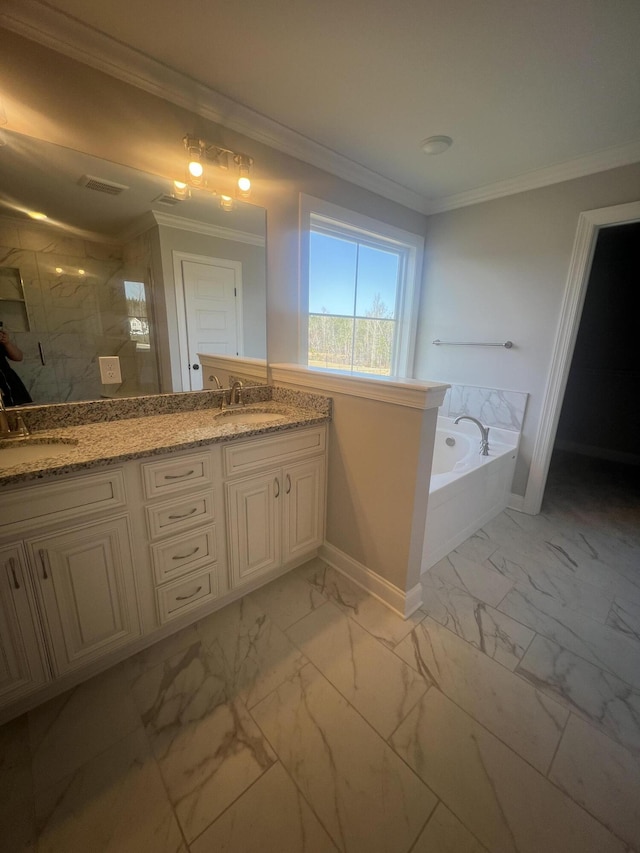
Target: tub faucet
[[484, 432]]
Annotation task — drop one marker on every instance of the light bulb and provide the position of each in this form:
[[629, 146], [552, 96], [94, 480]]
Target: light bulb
[[195, 168], [244, 184]]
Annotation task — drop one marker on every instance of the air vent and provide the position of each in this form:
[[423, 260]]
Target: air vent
[[101, 185], [169, 200]]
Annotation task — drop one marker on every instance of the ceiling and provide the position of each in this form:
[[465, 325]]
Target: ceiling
[[530, 92]]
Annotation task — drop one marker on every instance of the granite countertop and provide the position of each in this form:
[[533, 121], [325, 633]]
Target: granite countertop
[[93, 445]]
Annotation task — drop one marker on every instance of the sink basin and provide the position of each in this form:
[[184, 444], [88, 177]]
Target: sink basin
[[250, 417], [18, 452]]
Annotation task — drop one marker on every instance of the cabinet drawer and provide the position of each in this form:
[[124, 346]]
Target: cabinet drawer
[[184, 553], [177, 598], [61, 500], [180, 514], [242, 457], [172, 475]]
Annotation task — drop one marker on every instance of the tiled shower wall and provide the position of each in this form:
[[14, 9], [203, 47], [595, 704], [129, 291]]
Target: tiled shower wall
[[492, 406], [75, 317]]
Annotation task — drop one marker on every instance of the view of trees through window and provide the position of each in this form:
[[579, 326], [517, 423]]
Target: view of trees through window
[[353, 296], [135, 294]]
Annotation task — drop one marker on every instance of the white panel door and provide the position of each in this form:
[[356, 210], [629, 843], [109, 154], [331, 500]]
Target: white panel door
[[211, 310], [86, 579]]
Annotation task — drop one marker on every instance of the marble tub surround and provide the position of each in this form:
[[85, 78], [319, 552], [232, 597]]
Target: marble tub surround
[[94, 444], [310, 718], [494, 407]]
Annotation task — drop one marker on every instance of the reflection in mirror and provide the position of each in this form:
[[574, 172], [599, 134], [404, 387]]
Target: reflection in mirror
[[113, 263]]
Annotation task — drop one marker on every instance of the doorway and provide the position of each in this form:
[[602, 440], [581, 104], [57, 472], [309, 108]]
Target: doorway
[[590, 224], [212, 307]]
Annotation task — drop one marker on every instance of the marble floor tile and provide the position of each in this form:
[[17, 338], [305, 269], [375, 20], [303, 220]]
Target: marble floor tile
[[17, 814], [160, 652], [601, 645], [357, 665], [72, 728], [287, 599], [601, 776], [557, 582], [271, 817], [604, 699], [478, 547], [578, 556], [624, 616], [14, 743], [248, 651], [504, 802], [526, 720], [115, 803], [208, 747], [494, 633], [445, 834], [477, 580], [364, 795], [371, 614]]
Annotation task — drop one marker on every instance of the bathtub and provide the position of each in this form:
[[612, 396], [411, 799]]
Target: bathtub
[[467, 490]]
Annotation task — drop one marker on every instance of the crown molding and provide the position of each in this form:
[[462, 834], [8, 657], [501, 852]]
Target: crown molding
[[589, 164], [194, 226], [67, 35]]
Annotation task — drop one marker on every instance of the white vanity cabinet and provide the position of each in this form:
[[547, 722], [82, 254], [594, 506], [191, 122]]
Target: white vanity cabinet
[[68, 590], [275, 516]]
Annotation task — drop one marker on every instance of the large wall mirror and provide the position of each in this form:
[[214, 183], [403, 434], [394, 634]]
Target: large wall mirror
[[121, 266]]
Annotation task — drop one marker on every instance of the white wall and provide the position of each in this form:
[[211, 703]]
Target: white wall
[[497, 271]]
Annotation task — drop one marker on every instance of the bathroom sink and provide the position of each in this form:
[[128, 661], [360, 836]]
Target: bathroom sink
[[18, 451], [250, 417]]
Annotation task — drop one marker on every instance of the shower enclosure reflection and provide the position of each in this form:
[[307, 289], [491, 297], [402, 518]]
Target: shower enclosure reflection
[[100, 275]]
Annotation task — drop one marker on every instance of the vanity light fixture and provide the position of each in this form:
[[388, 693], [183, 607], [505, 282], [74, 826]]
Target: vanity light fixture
[[181, 190], [436, 144], [200, 151]]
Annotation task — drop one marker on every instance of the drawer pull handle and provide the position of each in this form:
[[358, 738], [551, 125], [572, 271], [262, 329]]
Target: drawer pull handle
[[277, 485], [288, 484], [184, 556], [179, 476], [12, 566], [43, 560], [186, 597], [185, 515]]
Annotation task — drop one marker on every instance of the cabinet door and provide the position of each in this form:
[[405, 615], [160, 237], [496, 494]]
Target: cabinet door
[[86, 583], [254, 518], [303, 508], [22, 661]]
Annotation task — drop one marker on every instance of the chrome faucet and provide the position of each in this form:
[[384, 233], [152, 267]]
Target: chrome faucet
[[484, 432], [235, 394]]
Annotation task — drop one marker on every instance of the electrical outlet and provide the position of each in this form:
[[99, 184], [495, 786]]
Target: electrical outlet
[[110, 369]]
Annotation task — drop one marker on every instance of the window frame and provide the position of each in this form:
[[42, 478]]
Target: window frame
[[343, 223]]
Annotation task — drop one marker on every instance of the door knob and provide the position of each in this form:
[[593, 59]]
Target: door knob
[[196, 366]]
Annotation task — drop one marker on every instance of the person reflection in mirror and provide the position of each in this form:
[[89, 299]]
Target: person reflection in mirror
[[13, 391]]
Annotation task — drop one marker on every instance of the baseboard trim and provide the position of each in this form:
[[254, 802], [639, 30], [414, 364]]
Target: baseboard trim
[[402, 602], [516, 502]]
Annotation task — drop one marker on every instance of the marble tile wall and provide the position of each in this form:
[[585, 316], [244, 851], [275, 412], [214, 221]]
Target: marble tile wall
[[75, 316], [503, 717], [492, 406]]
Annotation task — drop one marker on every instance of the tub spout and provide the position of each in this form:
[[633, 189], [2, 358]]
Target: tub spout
[[484, 432]]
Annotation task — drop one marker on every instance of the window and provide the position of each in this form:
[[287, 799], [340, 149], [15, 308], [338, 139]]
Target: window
[[135, 295], [359, 293]]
